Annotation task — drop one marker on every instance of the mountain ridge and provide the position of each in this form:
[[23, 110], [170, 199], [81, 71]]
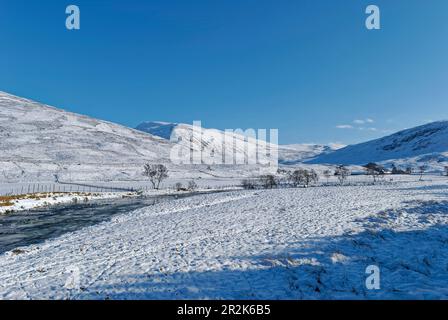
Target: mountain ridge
[[422, 143], [288, 154]]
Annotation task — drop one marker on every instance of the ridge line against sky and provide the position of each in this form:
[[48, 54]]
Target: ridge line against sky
[[309, 68]]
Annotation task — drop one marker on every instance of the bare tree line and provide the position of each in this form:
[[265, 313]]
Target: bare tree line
[[306, 178]]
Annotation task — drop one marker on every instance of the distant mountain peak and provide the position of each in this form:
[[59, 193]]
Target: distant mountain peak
[[288, 154], [158, 128]]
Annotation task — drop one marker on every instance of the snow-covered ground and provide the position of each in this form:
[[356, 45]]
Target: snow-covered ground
[[205, 181], [11, 204], [312, 243]]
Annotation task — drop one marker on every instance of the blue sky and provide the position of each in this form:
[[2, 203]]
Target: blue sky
[[309, 68]]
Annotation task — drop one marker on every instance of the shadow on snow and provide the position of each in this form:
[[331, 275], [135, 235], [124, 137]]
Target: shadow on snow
[[413, 264]]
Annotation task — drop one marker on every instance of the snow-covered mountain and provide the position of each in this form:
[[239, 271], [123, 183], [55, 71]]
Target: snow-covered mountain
[[288, 154], [158, 128], [215, 145], [38, 142], [424, 144]]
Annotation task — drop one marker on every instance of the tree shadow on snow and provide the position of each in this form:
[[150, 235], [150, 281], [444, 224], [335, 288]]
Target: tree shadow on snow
[[413, 265]]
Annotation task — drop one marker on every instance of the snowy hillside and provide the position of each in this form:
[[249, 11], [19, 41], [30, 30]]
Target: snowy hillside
[[38, 142], [296, 153], [288, 154], [424, 144], [213, 146]]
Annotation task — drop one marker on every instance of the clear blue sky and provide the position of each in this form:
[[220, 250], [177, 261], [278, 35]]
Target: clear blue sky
[[304, 67]]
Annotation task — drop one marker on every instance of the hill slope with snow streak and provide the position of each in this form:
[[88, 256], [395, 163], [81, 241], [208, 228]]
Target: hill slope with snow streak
[[288, 154], [38, 142], [424, 144], [218, 144]]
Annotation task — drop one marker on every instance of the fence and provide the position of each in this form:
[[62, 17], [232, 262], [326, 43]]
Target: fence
[[69, 187], [59, 188]]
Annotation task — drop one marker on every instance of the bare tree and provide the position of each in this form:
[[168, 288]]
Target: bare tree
[[374, 170], [327, 174], [283, 177], [311, 176], [422, 170], [268, 181], [248, 184], [179, 186], [446, 171], [342, 173], [297, 177], [156, 174], [192, 185]]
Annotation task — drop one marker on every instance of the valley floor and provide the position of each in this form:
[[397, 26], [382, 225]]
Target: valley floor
[[310, 243]]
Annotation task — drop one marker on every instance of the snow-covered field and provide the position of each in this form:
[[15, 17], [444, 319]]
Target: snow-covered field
[[38, 200], [312, 243]]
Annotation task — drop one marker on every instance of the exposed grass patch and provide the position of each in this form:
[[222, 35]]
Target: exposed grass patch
[[18, 251], [8, 201], [6, 204]]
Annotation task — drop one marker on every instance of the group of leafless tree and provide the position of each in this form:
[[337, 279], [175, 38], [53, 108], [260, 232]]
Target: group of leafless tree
[[398, 170], [267, 181], [302, 177], [156, 173], [191, 186], [377, 172], [296, 178]]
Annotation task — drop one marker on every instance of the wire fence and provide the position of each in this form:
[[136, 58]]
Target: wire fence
[[32, 188], [61, 188]]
